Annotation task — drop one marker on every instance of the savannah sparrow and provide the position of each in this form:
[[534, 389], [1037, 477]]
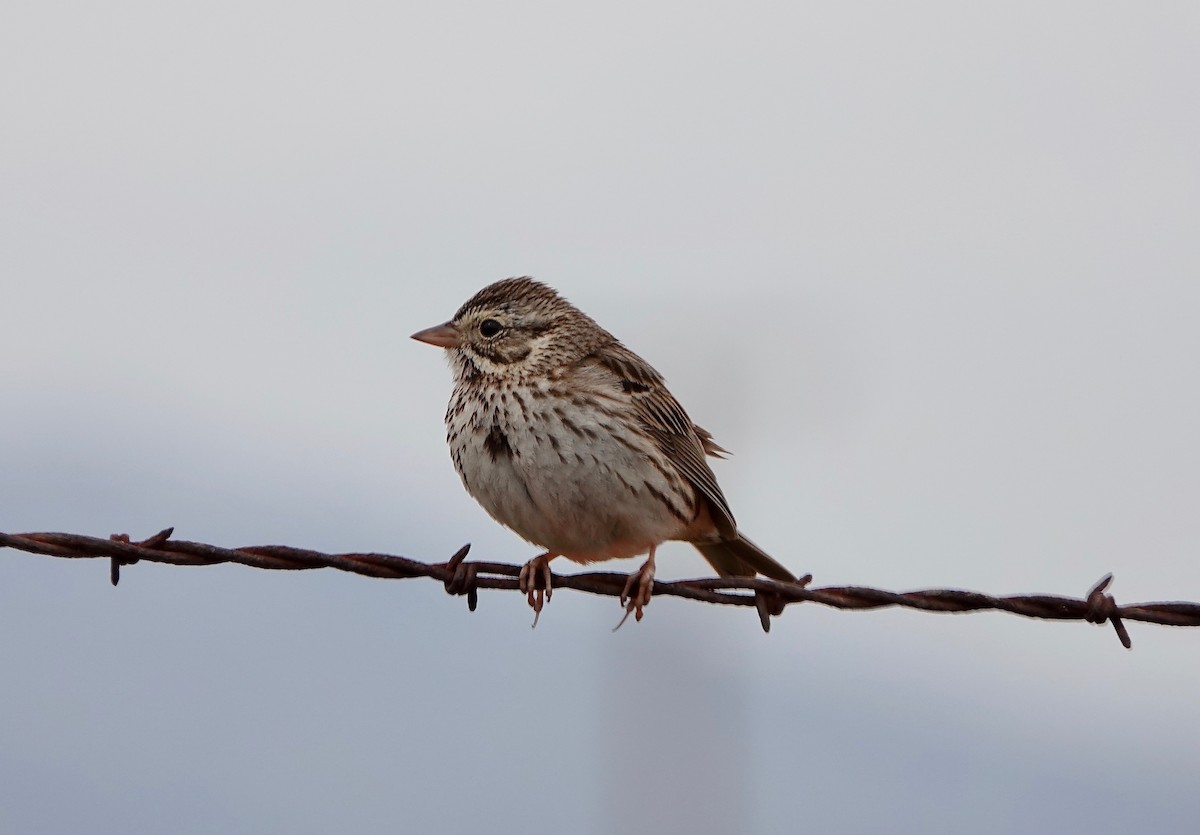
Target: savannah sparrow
[[572, 440]]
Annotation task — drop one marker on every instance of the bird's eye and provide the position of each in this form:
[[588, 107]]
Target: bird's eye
[[489, 328]]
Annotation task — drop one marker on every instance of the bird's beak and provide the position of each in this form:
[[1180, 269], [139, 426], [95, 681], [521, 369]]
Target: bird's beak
[[443, 336]]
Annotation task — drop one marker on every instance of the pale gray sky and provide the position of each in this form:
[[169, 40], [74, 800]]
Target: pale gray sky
[[931, 270]]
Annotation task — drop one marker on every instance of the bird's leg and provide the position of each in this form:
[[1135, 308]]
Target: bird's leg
[[527, 581], [638, 589]]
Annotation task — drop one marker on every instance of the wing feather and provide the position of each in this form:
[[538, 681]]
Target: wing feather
[[664, 419]]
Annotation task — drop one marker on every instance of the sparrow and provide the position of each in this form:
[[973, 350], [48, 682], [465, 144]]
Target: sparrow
[[574, 442]]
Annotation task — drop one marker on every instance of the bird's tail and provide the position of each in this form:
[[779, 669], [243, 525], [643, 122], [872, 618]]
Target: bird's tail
[[742, 558]]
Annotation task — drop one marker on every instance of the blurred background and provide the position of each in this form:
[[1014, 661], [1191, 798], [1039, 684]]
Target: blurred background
[[930, 271]]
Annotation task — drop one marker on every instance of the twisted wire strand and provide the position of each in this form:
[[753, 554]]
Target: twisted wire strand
[[460, 577]]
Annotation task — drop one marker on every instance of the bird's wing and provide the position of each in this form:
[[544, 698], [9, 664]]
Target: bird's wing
[[711, 447], [682, 442]]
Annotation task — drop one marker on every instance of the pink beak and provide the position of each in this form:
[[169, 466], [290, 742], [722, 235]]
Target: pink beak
[[443, 336]]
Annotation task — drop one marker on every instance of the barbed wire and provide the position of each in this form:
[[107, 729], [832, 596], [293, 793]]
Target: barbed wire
[[460, 577]]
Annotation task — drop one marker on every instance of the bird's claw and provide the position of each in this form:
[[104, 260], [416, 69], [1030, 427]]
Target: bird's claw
[[527, 581], [636, 594]]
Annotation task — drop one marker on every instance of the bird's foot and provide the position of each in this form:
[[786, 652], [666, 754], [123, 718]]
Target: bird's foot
[[527, 580], [638, 588]]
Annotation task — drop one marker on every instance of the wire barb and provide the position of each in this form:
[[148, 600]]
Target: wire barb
[[114, 571], [459, 577], [462, 577], [1102, 607]]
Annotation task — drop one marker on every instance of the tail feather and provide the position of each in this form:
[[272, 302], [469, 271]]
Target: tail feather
[[742, 558]]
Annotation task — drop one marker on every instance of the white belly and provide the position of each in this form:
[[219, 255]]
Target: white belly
[[558, 476]]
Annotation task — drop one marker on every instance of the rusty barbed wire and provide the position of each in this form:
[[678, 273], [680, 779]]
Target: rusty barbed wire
[[460, 577]]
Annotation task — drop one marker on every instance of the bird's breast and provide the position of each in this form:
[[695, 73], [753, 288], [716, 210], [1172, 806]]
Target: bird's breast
[[568, 470]]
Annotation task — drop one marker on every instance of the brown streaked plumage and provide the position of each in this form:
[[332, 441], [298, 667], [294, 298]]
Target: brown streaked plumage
[[572, 440]]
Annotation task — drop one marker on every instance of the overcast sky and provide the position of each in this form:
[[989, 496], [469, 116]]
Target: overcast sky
[[931, 271]]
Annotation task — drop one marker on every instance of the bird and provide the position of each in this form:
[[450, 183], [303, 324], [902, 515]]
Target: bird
[[574, 442]]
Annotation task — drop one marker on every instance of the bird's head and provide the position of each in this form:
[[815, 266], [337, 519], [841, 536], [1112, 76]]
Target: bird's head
[[512, 328]]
